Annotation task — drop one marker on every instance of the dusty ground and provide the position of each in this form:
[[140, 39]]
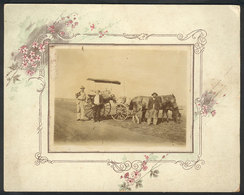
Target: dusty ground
[[108, 131]]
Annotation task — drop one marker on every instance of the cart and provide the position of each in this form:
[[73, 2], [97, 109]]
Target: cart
[[120, 109]]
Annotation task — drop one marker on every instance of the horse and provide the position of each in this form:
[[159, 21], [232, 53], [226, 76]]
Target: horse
[[169, 103], [139, 105], [104, 110], [106, 97], [176, 115]]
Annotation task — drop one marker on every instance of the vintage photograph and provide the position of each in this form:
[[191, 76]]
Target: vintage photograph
[[120, 98]]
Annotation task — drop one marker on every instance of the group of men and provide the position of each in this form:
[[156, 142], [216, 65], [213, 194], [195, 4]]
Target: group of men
[[154, 105], [81, 102]]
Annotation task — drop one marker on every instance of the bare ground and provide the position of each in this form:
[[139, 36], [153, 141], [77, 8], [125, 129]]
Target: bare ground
[[109, 131]]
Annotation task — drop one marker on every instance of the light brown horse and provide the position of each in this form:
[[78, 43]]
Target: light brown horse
[[138, 105]]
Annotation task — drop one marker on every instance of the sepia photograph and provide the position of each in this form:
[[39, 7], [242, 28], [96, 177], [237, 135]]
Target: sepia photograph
[[120, 98]]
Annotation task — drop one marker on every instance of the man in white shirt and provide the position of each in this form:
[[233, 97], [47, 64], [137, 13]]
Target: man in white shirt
[[80, 103], [98, 103]]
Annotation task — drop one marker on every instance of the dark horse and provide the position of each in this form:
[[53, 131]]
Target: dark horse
[[105, 99], [106, 107], [169, 103], [139, 106]]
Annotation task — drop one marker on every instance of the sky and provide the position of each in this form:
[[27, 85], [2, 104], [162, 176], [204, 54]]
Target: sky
[[142, 70]]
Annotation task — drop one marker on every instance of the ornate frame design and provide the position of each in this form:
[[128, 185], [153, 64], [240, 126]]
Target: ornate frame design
[[199, 36], [57, 32]]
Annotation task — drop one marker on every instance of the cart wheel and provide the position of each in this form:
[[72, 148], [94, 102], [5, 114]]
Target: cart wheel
[[121, 112], [106, 109], [89, 111]]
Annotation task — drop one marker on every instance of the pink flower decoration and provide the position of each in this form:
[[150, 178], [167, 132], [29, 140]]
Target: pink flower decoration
[[51, 28], [70, 21], [126, 175], [131, 181], [31, 60], [24, 64], [62, 33], [92, 27], [144, 168], [30, 72], [121, 176], [137, 174], [42, 48], [23, 49], [25, 58], [204, 106], [213, 112], [38, 58], [147, 157], [24, 46], [204, 112], [76, 23], [100, 34], [34, 65], [34, 44], [32, 53], [46, 42]]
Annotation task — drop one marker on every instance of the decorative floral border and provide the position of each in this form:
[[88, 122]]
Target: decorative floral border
[[135, 171], [32, 58]]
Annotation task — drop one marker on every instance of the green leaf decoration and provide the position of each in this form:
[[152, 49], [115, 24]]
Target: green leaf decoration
[[28, 83], [156, 171], [16, 78], [124, 187], [139, 184], [153, 157], [124, 158], [13, 66]]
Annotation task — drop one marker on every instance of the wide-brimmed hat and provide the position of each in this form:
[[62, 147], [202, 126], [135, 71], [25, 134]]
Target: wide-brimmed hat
[[154, 93], [82, 87]]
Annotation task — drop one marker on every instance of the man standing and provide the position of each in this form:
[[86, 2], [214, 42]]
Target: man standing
[[80, 103], [98, 103], [154, 105]]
